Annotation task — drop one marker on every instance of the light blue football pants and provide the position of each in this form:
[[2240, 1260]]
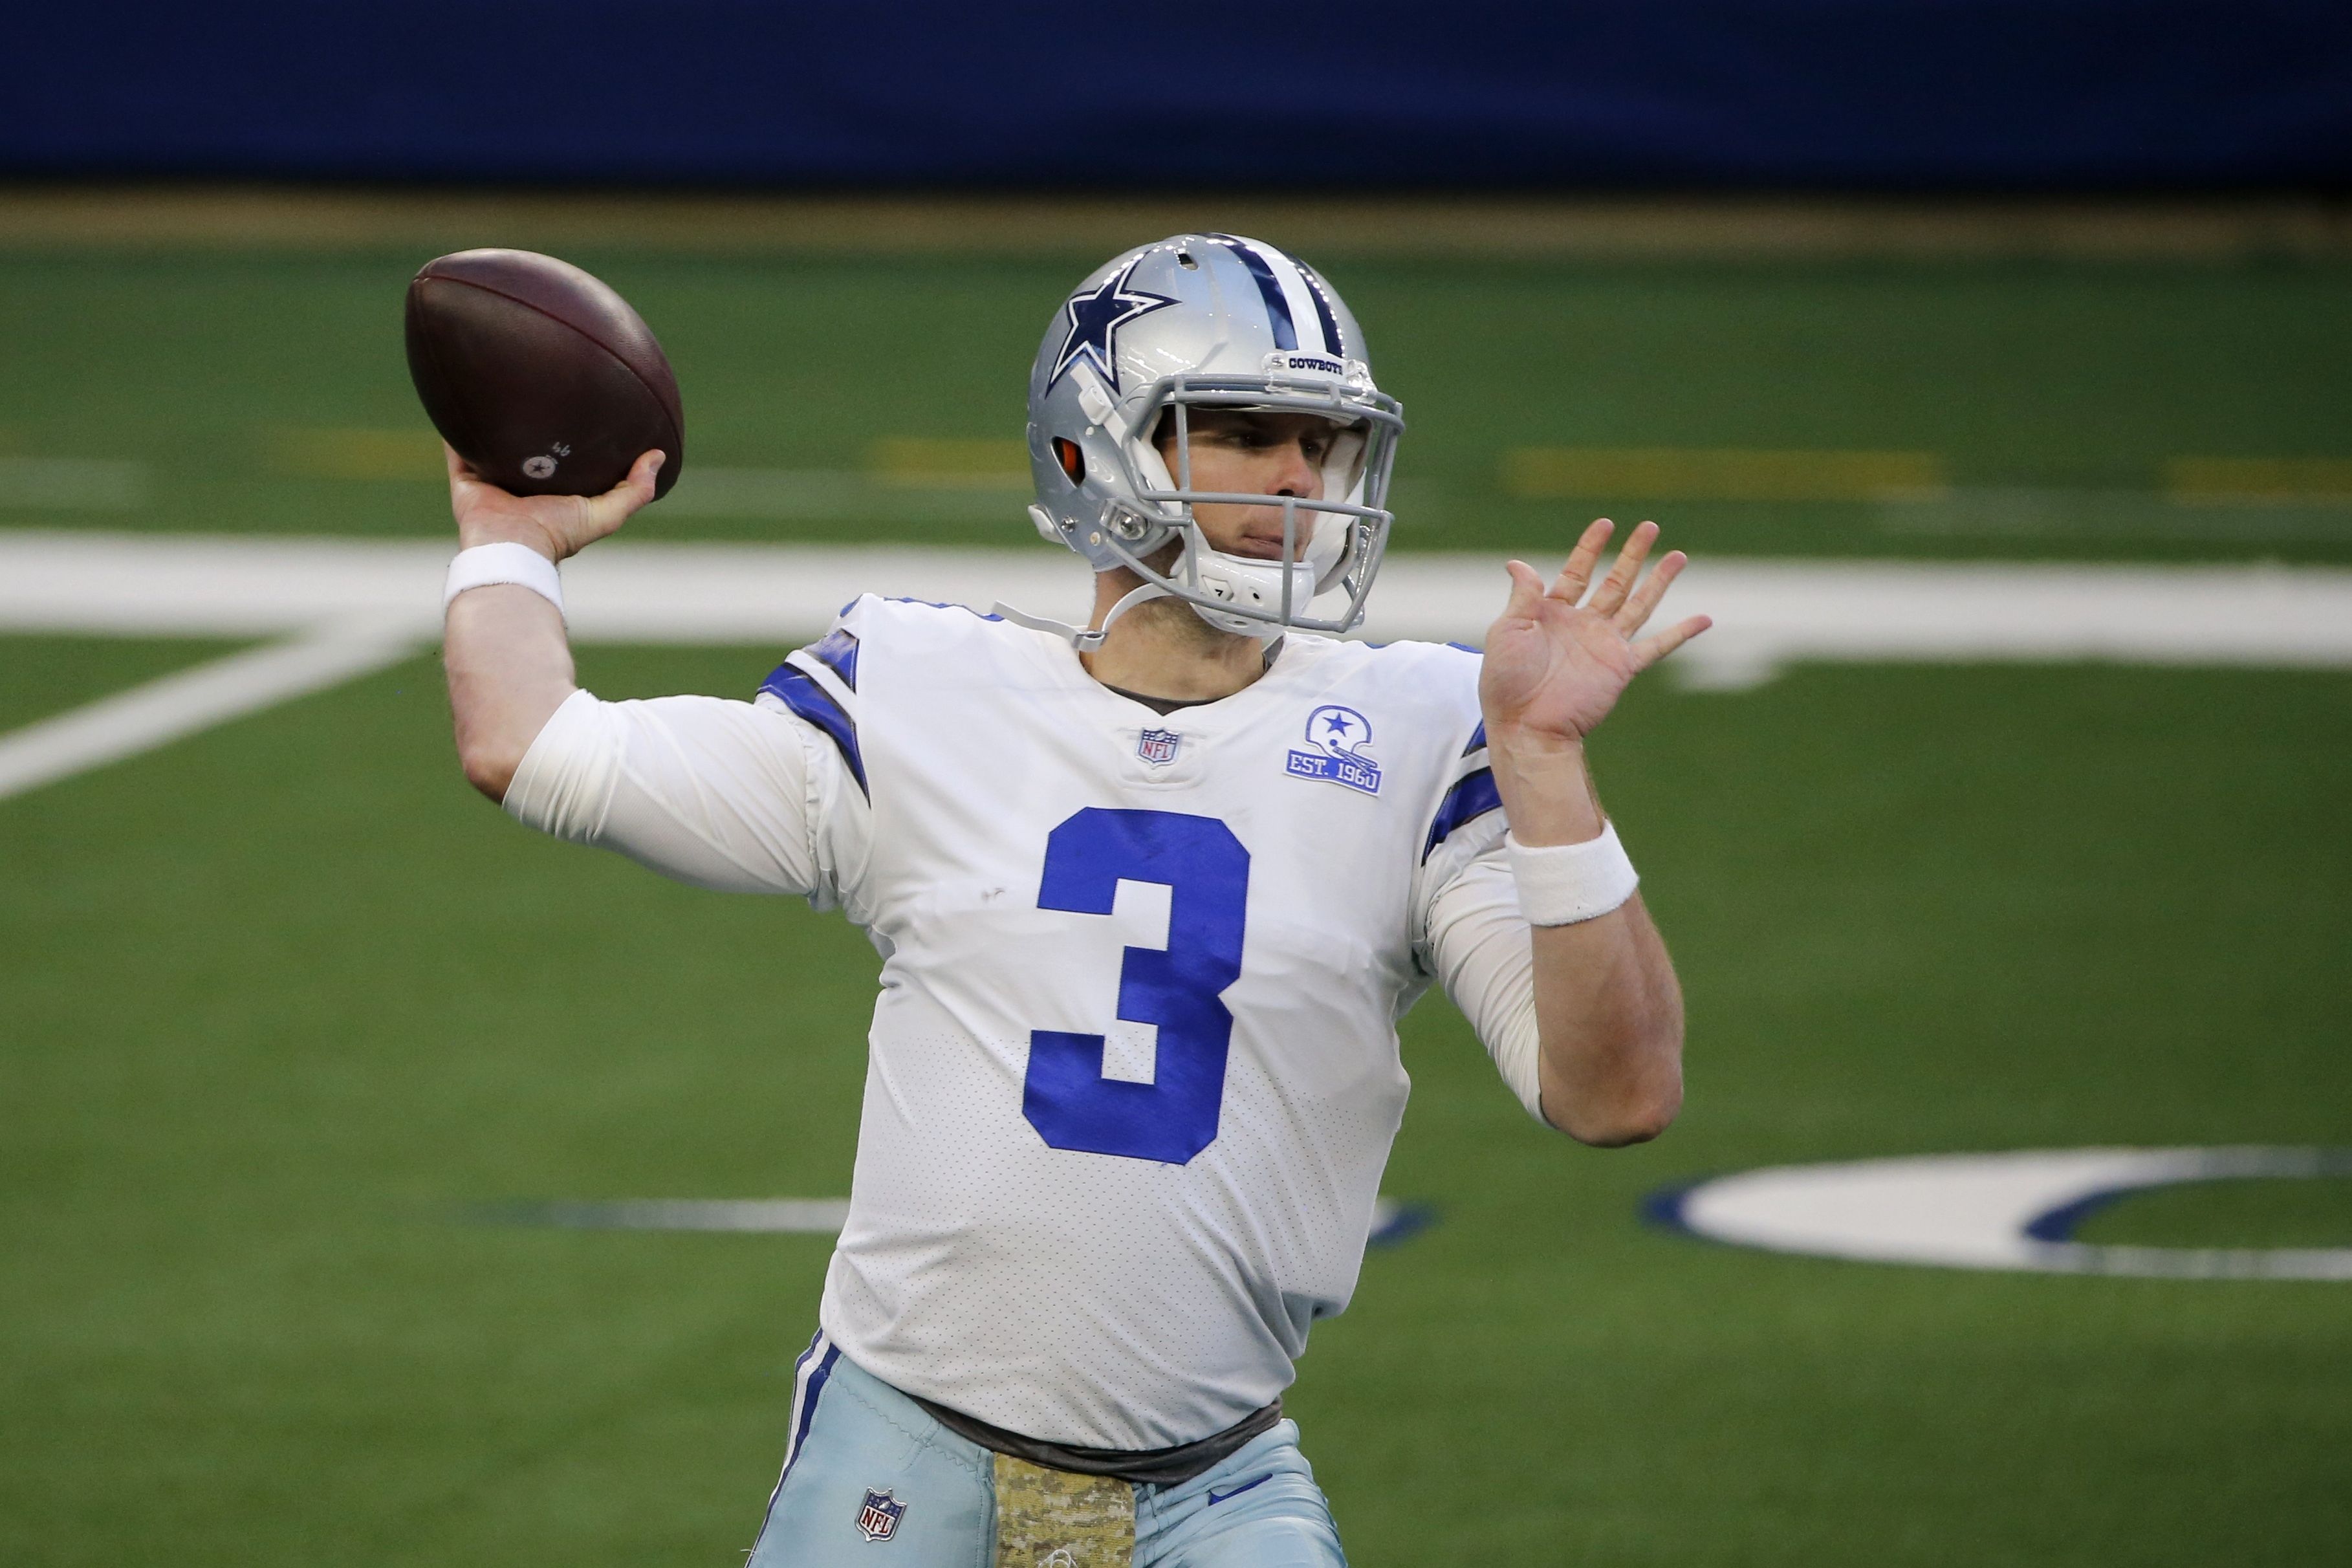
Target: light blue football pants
[[871, 1480]]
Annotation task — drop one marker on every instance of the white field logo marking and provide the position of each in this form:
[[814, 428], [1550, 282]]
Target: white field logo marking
[[2009, 1210]]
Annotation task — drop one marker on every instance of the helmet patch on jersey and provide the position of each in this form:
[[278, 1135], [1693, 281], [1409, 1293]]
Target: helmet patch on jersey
[[1095, 316], [1158, 746], [878, 1516], [1339, 736]]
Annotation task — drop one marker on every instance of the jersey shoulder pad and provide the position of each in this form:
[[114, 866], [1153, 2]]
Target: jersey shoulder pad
[[1436, 664], [1429, 692], [1442, 679], [818, 683], [1435, 684], [882, 615], [1469, 797]]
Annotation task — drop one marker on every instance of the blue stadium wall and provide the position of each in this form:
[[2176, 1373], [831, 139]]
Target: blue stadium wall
[[1789, 94]]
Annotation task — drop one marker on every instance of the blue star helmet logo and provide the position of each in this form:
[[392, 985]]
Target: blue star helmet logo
[[1095, 316]]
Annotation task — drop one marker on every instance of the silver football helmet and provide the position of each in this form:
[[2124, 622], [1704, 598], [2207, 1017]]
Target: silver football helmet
[[1208, 321]]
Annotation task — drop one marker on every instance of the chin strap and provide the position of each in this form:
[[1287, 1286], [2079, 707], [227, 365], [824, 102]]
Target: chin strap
[[1081, 638]]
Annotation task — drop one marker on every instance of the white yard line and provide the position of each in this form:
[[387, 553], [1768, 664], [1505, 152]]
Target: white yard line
[[1769, 613], [187, 700], [786, 1217], [1392, 1221], [354, 605], [1779, 611]]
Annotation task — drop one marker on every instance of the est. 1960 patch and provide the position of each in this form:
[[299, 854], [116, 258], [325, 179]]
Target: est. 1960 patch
[[1338, 737]]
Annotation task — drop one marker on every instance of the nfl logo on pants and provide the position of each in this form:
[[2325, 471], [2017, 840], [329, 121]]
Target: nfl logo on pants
[[878, 1518]]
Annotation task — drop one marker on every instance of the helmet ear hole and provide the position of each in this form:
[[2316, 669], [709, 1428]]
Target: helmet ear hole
[[1073, 461]]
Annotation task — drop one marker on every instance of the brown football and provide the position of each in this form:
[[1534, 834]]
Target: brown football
[[540, 374]]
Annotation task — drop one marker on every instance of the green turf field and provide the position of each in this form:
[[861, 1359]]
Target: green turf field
[[283, 1004], [2049, 404]]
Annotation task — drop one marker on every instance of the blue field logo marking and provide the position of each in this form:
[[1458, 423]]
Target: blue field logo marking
[[1340, 735]]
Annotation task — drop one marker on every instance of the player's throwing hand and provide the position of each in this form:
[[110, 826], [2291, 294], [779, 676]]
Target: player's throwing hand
[[558, 527], [1554, 667]]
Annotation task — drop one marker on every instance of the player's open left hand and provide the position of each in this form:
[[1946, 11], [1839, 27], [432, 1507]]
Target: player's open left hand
[[1556, 667], [556, 526]]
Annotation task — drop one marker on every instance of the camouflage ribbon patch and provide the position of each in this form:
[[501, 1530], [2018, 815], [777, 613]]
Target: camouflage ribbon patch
[[1053, 1519]]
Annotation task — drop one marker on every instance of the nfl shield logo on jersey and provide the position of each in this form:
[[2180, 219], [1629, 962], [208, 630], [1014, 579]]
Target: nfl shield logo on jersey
[[1158, 745], [877, 1519]]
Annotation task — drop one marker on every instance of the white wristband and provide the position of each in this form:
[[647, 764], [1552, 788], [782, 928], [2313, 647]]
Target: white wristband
[[1560, 884], [485, 564]]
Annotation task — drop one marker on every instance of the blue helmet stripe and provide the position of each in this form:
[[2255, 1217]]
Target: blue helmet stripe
[[1333, 341], [1278, 307]]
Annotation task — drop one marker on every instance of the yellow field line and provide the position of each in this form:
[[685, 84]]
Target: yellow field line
[[357, 454], [1532, 473], [266, 217], [933, 463], [1681, 473], [2258, 481]]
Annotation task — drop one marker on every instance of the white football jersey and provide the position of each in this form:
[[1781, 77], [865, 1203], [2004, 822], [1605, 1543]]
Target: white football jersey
[[1134, 1071]]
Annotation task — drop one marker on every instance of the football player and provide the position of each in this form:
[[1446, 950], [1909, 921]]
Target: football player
[[1150, 893]]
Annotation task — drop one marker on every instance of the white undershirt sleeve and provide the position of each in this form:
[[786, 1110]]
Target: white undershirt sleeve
[[723, 795], [1480, 948]]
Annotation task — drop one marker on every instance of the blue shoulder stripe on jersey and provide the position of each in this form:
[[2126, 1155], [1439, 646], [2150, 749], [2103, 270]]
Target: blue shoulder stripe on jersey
[[1333, 341], [800, 693], [1472, 798], [1478, 738], [837, 651], [1278, 307]]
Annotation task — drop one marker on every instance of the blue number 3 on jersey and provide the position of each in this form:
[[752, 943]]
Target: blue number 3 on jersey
[[1066, 1096]]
